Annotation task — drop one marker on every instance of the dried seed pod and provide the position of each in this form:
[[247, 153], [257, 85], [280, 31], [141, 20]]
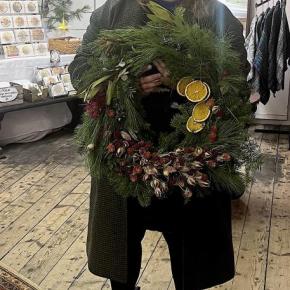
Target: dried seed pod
[[150, 170], [146, 177], [185, 169], [191, 180], [198, 151], [196, 165], [179, 150], [158, 192], [168, 170], [215, 109], [203, 184], [207, 155], [211, 163], [121, 151], [164, 187], [156, 182], [126, 136], [91, 146]]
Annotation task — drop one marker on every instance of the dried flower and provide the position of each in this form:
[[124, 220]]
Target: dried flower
[[111, 148], [146, 177], [180, 182], [227, 157], [191, 180], [196, 165], [220, 114], [215, 109], [185, 169], [214, 129], [164, 187], [95, 106], [147, 155], [207, 155], [133, 178], [223, 157], [156, 182], [210, 103], [111, 113], [158, 192], [126, 136], [211, 163], [130, 151], [203, 184], [198, 151], [121, 151], [137, 169], [150, 170], [179, 150], [168, 170]]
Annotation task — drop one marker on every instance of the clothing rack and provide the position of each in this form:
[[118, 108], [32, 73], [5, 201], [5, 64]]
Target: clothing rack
[[262, 3], [275, 129]]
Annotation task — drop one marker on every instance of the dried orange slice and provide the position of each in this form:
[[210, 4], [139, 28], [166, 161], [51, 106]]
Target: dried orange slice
[[208, 90], [194, 127], [201, 112], [196, 91], [182, 84]]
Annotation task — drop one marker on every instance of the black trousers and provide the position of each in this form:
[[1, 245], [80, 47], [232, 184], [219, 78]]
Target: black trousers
[[139, 220], [175, 246]]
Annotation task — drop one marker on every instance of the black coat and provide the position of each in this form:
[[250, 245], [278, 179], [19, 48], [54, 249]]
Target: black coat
[[210, 251]]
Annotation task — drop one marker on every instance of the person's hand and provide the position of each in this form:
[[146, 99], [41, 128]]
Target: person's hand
[[165, 74], [151, 83]]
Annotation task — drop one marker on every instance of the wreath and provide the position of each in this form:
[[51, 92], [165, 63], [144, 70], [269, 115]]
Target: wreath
[[209, 148]]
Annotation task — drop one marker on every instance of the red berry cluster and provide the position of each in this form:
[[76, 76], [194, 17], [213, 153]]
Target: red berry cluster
[[213, 134], [95, 106]]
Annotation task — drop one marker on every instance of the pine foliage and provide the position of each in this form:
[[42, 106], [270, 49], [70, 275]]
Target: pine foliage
[[58, 10], [117, 59]]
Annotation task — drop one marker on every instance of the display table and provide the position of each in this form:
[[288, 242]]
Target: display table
[[23, 68], [28, 122], [27, 105]]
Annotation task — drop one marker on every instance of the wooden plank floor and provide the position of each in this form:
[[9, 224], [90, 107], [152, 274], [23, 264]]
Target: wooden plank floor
[[44, 194]]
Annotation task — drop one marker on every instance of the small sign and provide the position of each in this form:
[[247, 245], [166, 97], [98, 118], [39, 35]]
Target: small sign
[[8, 94]]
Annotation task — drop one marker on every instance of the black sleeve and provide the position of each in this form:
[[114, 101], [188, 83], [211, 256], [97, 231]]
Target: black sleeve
[[228, 25], [80, 63]]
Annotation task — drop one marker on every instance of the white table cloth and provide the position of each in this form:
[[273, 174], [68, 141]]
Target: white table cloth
[[31, 124]]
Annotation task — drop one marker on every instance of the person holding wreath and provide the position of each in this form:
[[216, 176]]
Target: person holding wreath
[[198, 234]]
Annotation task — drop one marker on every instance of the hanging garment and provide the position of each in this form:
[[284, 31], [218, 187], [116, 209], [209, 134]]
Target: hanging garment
[[273, 43], [260, 24], [283, 48], [255, 82], [250, 45], [262, 57]]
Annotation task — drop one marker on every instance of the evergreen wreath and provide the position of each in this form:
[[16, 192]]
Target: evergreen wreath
[[209, 148]]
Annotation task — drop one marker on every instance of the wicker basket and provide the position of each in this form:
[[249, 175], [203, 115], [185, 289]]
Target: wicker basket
[[64, 45]]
